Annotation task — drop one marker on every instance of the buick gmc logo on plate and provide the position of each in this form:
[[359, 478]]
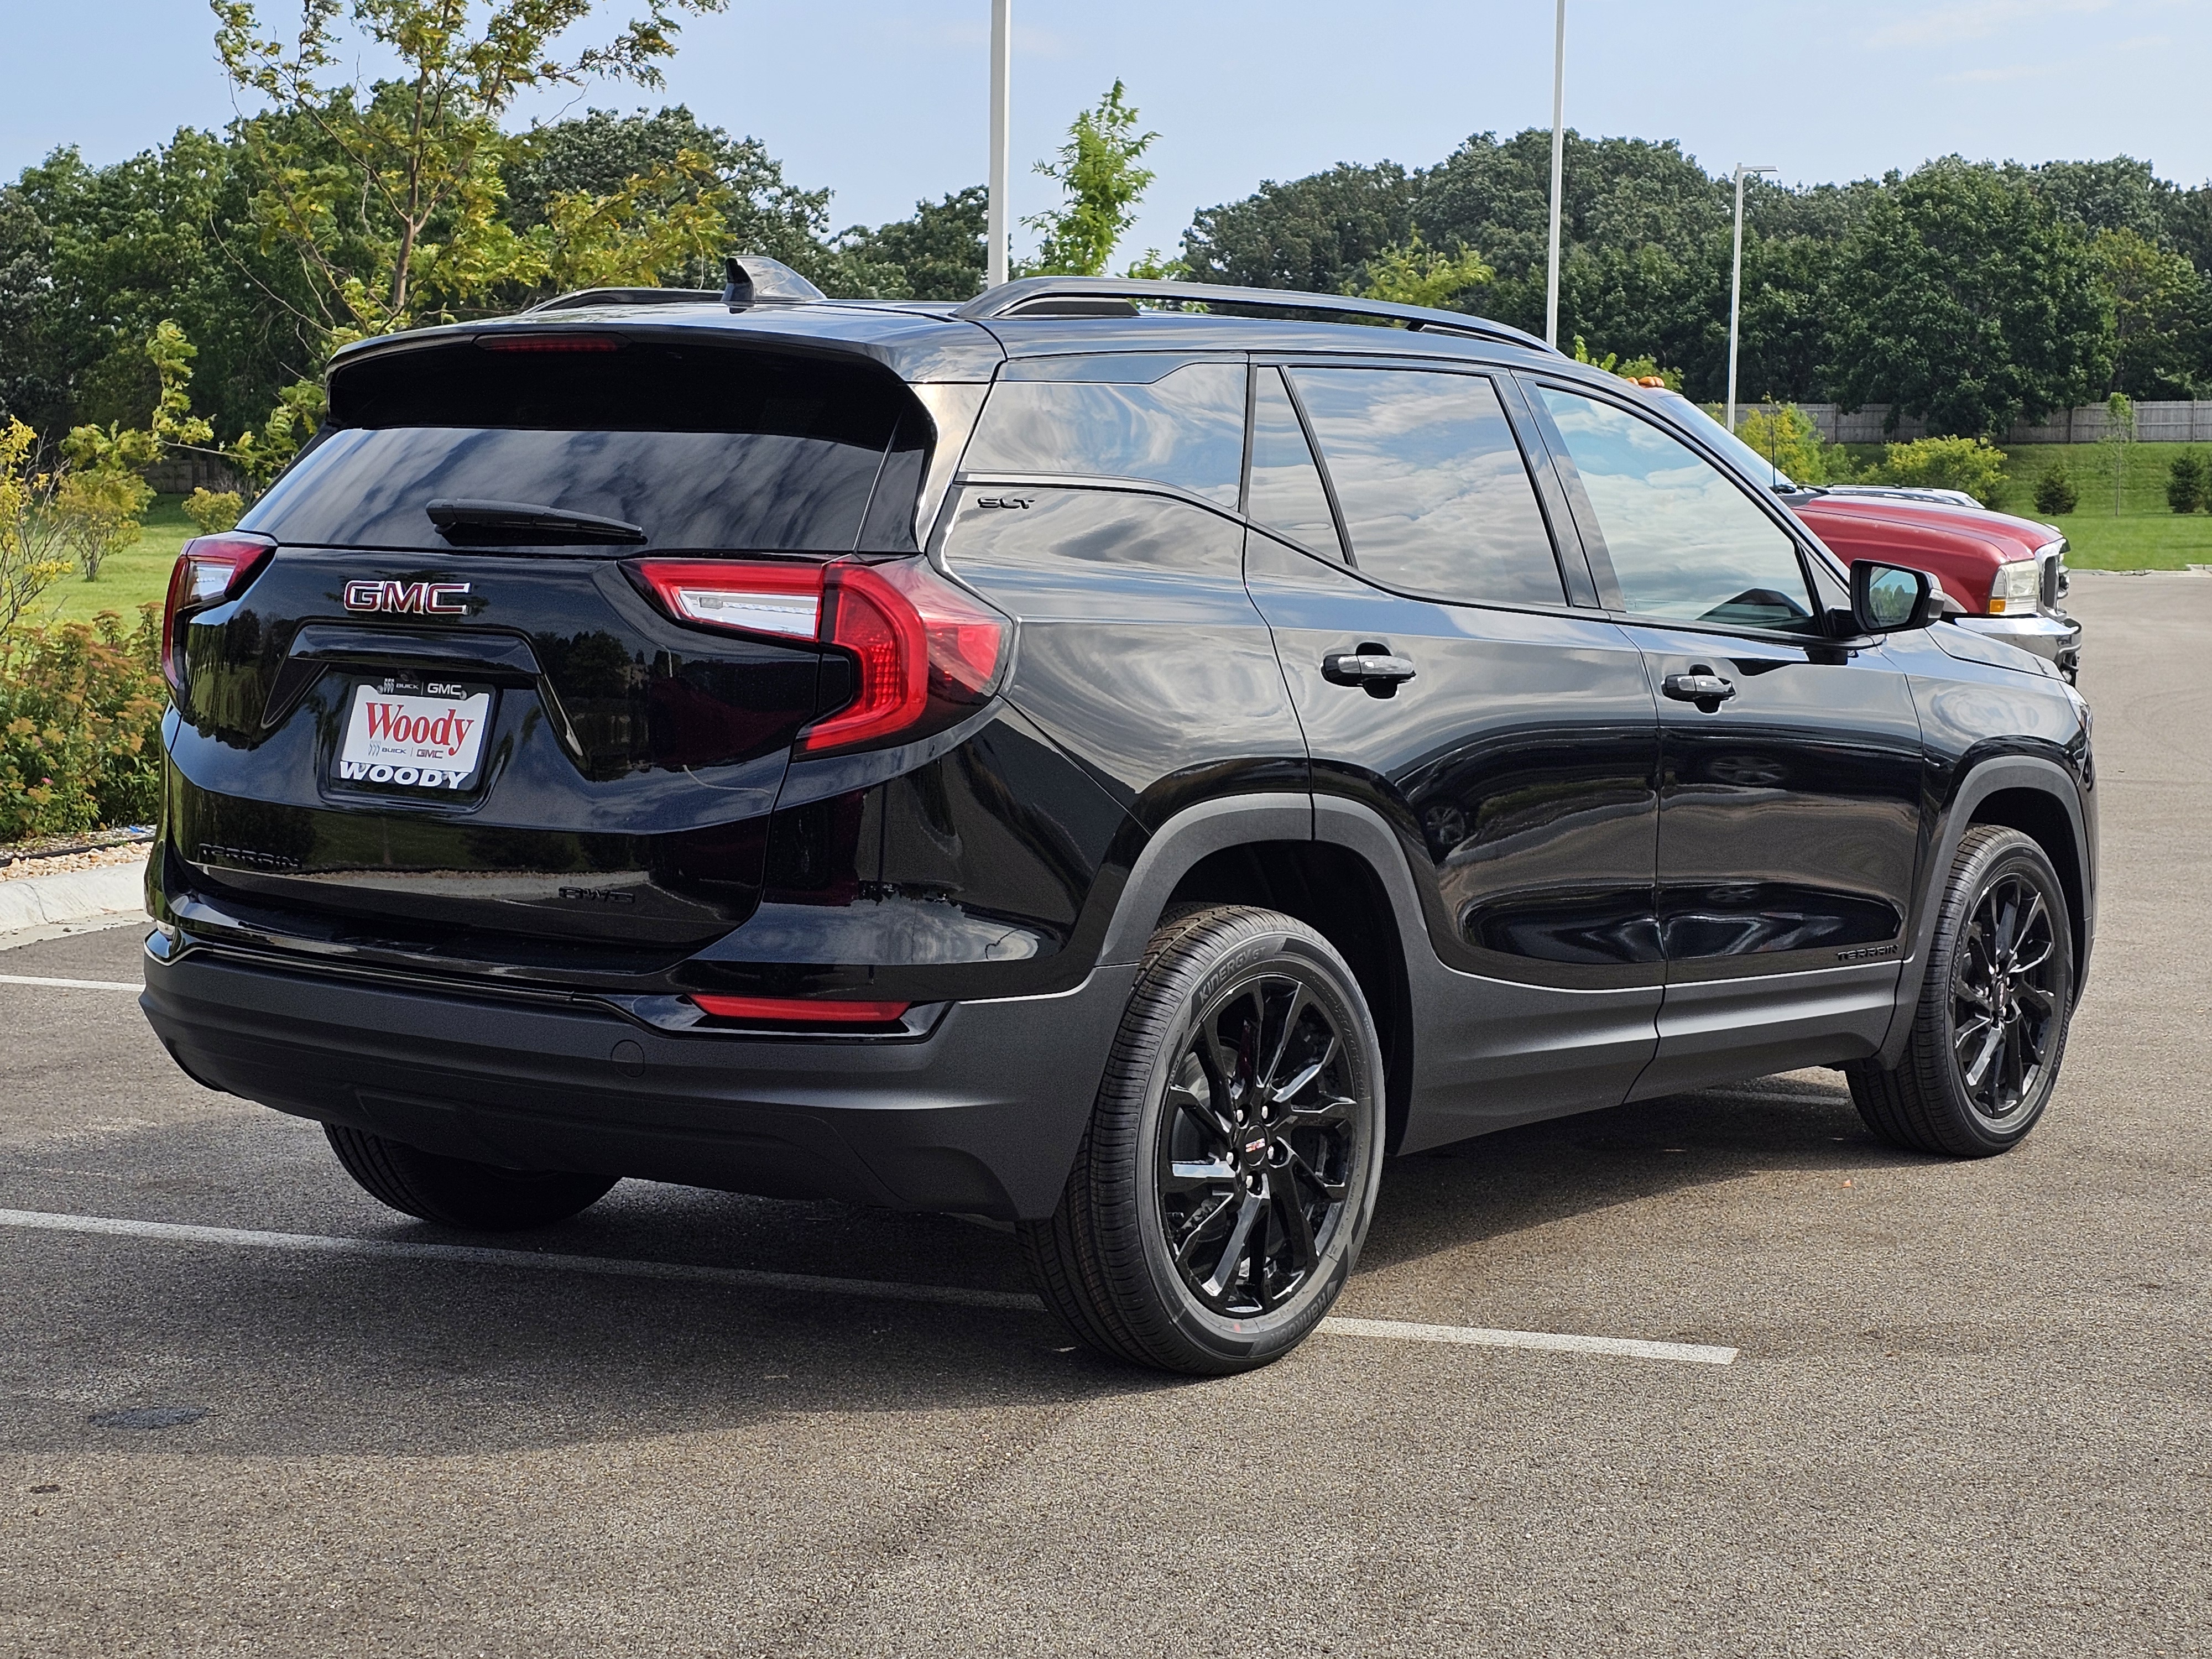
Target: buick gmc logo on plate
[[415, 599]]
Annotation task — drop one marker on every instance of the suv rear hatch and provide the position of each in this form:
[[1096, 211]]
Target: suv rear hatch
[[449, 696]]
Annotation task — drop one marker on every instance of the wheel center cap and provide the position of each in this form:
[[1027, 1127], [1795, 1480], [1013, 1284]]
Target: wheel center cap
[[1253, 1151]]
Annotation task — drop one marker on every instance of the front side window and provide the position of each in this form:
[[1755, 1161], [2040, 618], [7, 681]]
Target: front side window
[[1684, 541], [1435, 495], [1185, 428]]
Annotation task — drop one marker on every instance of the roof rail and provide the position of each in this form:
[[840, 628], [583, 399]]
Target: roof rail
[[1113, 296]]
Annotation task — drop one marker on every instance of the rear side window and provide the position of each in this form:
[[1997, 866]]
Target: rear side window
[[1684, 539], [1185, 428], [703, 447], [1435, 495], [1287, 493]]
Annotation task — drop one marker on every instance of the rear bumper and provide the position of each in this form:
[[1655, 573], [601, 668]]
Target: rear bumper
[[2052, 634], [983, 1114]]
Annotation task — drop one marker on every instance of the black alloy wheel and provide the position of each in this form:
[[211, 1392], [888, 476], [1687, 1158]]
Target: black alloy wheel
[[2005, 1009], [1221, 1193], [1989, 1033], [1253, 1163]]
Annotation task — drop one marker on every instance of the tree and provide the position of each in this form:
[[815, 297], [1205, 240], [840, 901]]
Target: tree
[[2112, 448], [1962, 298], [102, 498], [1312, 234], [938, 254], [32, 558], [32, 389], [658, 165], [1100, 184], [2159, 302], [388, 195], [1411, 273]]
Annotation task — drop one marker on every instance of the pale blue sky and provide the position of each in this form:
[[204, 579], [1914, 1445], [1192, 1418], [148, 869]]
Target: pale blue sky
[[885, 101]]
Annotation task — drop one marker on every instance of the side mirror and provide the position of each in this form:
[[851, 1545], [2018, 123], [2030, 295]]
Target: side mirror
[[1888, 599]]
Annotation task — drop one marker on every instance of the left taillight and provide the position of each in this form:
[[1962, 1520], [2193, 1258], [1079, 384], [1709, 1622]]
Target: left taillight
[[210, 569], [924, 653]]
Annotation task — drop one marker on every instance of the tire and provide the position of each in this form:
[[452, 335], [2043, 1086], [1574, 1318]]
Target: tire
[[1989, 1031], [1224, 1184], [456, 1191]]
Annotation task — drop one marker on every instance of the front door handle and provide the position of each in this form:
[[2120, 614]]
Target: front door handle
[[1704, 688], [1378, 668]]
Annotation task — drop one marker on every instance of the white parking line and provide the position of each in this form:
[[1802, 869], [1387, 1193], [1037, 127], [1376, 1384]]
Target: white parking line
[[757, 1278], [1687, 1353], [69, 984]]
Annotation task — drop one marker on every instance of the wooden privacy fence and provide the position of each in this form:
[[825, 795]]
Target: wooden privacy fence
[[2155, 422]]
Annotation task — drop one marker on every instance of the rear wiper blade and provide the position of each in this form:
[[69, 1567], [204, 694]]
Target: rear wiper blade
[[525, 524]]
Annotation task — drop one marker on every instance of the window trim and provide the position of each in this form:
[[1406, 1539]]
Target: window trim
[[1611, 598]]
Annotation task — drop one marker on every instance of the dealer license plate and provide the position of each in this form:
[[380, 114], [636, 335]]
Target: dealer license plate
[[414, 734]]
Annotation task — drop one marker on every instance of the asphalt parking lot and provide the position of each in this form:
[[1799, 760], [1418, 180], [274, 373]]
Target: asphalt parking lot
[[1970, 1412]]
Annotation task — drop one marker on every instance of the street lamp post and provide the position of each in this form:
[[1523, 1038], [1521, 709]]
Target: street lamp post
[[1735, 284], [1002, 67], [1559, 161]]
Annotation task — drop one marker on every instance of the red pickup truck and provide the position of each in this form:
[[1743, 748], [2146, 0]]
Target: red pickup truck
[[2008, 574]]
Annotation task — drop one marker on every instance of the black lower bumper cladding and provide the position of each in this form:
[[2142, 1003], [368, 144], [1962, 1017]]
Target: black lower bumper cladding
[[981, 1114]]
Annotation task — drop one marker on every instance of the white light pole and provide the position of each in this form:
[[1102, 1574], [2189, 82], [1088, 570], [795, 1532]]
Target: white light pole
[[1735, 284], [1002, 70], [1559, 161]]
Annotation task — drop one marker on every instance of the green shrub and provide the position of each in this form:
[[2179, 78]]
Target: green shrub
[[2188, 487], [1792, 444], [214, 510], [81, 707], [1973, 464], [2054, 491]]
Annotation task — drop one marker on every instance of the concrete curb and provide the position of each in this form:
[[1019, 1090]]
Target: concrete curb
[[73, 895]]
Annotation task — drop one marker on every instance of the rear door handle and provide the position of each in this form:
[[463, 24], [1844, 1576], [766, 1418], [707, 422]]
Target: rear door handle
[[1705, 689], [1366, 668]]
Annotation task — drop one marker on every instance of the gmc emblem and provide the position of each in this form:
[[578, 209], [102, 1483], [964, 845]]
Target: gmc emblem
[[420, 598]]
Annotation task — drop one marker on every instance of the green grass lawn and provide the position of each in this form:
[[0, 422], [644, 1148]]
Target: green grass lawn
[[2145, 534], [128, 579]]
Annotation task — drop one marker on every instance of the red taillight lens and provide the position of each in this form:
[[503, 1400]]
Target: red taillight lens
[[926, 652], [210, 569], [923, 651], [801, 1011]]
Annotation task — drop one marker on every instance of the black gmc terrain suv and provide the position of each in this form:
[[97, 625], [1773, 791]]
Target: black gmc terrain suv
[[1119, 758]]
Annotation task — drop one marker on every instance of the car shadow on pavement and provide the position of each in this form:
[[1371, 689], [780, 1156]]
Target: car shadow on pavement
[[1518, 1179], [293, 1353]]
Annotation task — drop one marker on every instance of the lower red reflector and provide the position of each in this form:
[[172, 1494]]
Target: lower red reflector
[[802, 1011]]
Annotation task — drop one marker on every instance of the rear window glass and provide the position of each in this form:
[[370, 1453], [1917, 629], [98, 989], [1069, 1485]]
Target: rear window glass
[[1186, 429], [704, 448]]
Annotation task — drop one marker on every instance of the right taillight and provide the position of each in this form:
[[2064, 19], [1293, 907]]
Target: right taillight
[[923, 653], [210, 569]]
